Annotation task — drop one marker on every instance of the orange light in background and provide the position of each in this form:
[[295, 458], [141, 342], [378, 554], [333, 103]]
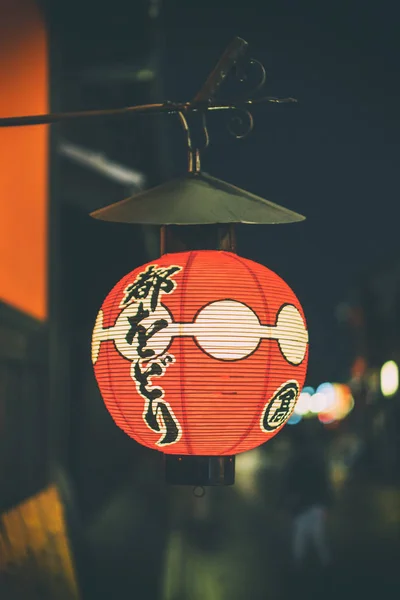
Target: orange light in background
[[23, 159], [200, 353], [342, 405], [359, 367]]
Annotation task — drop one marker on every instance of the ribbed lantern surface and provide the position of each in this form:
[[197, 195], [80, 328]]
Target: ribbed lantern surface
[[201, 353]]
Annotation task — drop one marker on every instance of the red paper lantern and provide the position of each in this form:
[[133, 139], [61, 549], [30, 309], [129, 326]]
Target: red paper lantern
[[200, 353]]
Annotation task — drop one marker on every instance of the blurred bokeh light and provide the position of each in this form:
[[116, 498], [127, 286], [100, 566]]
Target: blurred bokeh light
[[389, 378]]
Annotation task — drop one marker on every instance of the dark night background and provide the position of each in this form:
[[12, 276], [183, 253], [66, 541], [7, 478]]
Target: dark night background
[[331, 157]]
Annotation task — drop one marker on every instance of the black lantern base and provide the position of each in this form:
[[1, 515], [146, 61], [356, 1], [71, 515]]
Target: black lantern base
[[199, 470]]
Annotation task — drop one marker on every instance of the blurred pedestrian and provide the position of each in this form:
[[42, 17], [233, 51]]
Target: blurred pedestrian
[[306, 494]]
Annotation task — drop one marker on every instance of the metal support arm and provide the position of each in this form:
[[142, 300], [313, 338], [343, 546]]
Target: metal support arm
[[203, 101]]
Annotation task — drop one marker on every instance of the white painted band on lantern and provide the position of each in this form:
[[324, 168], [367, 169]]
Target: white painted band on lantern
[[225, 329]]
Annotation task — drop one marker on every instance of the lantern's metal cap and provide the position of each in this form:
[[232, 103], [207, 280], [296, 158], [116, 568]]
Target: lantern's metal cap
[[196, 199]]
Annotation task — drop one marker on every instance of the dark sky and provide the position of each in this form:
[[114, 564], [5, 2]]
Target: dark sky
[[333, 157]]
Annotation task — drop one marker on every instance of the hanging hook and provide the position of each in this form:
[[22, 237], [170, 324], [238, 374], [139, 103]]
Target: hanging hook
[[193, 155], [194, 164], [205, 130]]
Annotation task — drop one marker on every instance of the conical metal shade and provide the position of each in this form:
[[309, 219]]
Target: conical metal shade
[[196, 199]]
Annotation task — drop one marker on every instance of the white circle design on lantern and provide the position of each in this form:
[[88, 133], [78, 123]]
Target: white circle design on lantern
[[227, 330], [291, 334], [224, 329]]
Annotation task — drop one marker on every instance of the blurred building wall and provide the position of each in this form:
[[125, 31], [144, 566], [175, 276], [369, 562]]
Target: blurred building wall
[[23, 159], [23, 251]]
